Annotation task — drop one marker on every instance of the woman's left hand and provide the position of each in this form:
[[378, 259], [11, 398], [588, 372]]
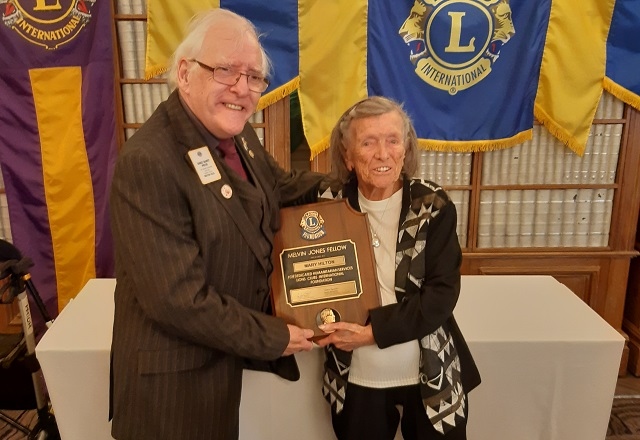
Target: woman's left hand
[[346, 335]]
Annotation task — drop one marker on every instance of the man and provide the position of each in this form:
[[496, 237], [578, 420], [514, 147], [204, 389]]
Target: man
[[193, 237]]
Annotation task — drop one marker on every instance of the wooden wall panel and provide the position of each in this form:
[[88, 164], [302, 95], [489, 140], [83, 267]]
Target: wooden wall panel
[[277, 141], [631, 323]]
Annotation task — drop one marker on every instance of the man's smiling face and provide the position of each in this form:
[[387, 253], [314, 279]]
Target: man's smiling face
[[223, 109]]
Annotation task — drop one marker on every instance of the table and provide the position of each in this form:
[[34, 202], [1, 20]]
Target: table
[[549, 366], [549, 363]]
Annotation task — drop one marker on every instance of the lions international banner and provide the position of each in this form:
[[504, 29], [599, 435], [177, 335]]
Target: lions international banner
[[466, 71], [623, 53], [57, 139], [471, 73]]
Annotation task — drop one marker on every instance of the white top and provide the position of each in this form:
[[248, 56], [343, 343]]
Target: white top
[[396, 365]]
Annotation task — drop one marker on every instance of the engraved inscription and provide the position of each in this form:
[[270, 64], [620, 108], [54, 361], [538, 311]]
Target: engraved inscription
[[321, 273]]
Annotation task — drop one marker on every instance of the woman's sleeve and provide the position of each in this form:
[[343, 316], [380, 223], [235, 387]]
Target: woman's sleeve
[[421, 312]]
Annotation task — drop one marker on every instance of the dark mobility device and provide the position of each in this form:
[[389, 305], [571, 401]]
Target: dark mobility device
[[22, 385]]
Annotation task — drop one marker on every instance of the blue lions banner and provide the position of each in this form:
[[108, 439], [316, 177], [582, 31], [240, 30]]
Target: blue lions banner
[[466, 71], [623, 53], [471, 73]]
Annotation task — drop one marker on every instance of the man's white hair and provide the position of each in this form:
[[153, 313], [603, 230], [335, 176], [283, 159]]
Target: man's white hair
[[196, 32]]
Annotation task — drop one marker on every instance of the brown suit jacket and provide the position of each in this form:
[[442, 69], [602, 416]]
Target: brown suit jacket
[[192, 280]]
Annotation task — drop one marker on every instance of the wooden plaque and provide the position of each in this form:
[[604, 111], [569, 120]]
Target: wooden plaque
[[323, 266]]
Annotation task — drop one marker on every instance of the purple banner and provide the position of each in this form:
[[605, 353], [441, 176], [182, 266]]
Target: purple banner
[[44, 34]]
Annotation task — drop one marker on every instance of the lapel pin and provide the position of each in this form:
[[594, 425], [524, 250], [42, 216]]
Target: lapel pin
[[246, 147], [226, 191]]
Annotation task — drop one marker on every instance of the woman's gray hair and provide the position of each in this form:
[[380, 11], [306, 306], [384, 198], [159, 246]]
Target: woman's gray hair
[[373, 106], [196, 32]]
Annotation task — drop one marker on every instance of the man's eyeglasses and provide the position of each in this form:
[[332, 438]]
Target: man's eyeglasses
[[230, 77]]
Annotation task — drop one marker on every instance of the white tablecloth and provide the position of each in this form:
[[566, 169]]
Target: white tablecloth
[[548, 362]]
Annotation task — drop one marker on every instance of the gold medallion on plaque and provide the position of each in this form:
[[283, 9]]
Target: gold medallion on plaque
[[327, 316]]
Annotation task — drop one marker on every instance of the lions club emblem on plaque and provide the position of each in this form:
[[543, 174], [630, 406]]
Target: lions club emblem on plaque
[[312, 226]]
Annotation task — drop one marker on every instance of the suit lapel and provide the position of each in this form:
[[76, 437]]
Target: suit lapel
[[224, 189], [260, 173], [251, 151]]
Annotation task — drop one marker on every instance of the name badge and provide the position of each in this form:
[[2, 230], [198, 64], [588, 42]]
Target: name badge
[[204, 165]]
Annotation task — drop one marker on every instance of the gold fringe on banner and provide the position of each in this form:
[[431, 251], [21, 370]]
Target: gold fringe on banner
[[450, 146], [277, 94], [153, 71], [559, 132], [474, 146], [621, 93], [319, 147]]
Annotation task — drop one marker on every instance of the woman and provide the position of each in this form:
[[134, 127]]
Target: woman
[[411, 352]]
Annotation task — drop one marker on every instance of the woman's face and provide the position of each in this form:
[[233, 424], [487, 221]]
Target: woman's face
[[375, 150]]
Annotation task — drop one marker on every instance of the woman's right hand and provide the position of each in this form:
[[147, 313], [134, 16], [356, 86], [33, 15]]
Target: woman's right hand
[[346, 335]]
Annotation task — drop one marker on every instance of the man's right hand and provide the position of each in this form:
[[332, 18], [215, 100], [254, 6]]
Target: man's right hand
[[299, 340]]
